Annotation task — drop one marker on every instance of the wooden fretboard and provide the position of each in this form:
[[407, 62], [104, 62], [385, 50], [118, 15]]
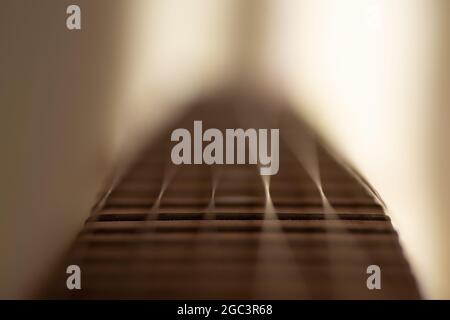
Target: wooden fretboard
[[222, 231]]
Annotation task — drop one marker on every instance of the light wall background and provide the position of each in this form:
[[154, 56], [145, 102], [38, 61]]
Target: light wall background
[[371, 75]]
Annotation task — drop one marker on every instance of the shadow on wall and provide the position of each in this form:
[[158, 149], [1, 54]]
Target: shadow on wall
[[58, 92]]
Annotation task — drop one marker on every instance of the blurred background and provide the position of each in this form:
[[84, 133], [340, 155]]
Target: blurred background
[[371, 76]]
